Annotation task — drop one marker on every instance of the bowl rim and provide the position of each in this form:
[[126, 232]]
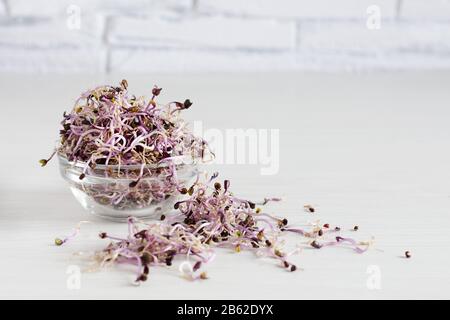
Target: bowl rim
[[178, 160]]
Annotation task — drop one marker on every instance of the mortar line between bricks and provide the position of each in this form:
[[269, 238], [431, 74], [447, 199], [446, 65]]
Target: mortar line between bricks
[[298, 32], [398, 9], [194, 5], [7, 7]]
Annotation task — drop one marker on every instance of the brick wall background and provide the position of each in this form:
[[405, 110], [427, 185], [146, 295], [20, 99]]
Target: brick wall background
[[74, 36]]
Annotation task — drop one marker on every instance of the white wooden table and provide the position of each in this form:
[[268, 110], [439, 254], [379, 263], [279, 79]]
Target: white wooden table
[[368, 150]]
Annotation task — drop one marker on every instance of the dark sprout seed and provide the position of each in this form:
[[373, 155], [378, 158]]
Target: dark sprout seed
[[284, 221], [142, 277], [337, 229], [133, 183], [217, 186], [326, 225], [226, 184], [171, 253], [140, 235], [82, 176], [355, 228], [183, 191], [102, 235], [286, 264], [197, 266], [124, 84], [163, 217], [43, 162], [278, 253], [408, 254], [187, 103], [260, 235], [252, 205], [293, 268], [213, 176], [146, 270], [156, 91], [314, 244], [320, 233], [146, 258], [268, 243]]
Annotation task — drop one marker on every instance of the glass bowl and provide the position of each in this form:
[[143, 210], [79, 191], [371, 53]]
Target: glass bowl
[[111, 191]]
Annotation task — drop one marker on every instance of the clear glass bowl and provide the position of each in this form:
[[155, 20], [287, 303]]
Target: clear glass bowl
[[105, 191]]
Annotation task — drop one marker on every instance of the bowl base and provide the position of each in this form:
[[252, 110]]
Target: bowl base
[[152, 212]]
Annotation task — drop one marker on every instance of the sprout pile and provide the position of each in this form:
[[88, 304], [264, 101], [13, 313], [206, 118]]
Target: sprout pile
[[116, 135], [139, 145], [212, 217]]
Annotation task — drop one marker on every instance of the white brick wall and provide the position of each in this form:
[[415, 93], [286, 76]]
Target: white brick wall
[[2, 9], [426, 9], [221, 35], [52, 33], [393, 36], [51, 8], [206, 32], [316, 9]]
